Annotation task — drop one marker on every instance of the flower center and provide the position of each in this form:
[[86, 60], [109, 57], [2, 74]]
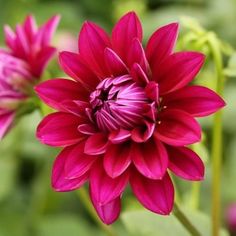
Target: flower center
[[118, 103]]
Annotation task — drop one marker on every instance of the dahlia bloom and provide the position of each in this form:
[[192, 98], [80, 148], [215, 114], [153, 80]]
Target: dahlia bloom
[[22, 64], [126, 117]]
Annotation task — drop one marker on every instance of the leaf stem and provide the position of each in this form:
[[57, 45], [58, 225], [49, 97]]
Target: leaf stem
[[185, 221], [217, 137], [84, 197]]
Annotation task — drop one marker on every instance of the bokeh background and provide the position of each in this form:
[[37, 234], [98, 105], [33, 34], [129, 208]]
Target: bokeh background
[[28, 205]]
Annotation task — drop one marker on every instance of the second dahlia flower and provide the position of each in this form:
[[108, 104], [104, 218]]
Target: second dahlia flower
[[126, 117], [22, 64]]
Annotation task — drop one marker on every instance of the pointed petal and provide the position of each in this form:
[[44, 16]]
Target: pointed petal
[[77, 162], [138, 75], [119, 136], [59, 129], [155, 195], [74, 66], [103, 188], [150, 159], [30, 27], [152, 91], [177, 128], [48, 30], [161, 44], [92, 42], [96, 144], [116, 159], [56, 91], [177, 70], [185, 163], [109, 212], [59, 181], [9, 37], [43, 58], [196, 100], [142, 133], [125, 30], [137, 55], [6, 120], [115, 65]]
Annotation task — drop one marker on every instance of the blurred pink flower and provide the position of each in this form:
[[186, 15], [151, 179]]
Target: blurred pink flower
[[126, 116], [231, 218], [22, 64]]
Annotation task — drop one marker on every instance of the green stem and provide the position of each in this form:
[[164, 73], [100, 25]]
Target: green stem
[[185, 221], [217, 138], [196, 186], [84, 197]]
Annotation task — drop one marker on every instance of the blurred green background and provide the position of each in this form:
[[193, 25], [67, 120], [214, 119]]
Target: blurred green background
[[28, 205]]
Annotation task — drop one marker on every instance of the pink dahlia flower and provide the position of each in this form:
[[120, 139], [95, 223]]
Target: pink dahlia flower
[[126, 117], [22, 64]]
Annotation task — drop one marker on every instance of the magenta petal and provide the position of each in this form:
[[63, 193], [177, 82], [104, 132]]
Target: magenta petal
[[119, 136], [142, 133], [185, 163], [9, 37], [103, 188], [6, 120], [126, 29], [138, 75], [195, 100], [77, 162], [116, 159], [178, 70], [59, 181], [88, 129], [92, 42], [48, 30], [150, 159], [55, 91], [59, 129], [96, 144], [161, 44], [152, 91], [109, 212], [115, 65], [137, 55], [155, 195], [177, 128], [75, 67]]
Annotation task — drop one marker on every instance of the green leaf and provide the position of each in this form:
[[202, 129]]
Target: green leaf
[[145, 223]]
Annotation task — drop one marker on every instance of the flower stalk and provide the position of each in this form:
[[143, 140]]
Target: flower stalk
[[217, 137], [185, 221]]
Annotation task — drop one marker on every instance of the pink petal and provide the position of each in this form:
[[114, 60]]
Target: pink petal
[[142, 133], [115, 65], [48, 30], [92, 42], [56, 91], [195, 100], [96, 144], [59, 129], [138, 75], [155, 195], [77, 162], [30, 28], [150, 159], [137, 55], [161, 44], [6, 120], [152, 91], [103, 188], [109, 212], [116, 159], [88, 129], [177, 70], [126, 29], [119, 136], [59, 181], [185, 163], [177, 128], [43, 57], [9, 37], [75, 67]]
